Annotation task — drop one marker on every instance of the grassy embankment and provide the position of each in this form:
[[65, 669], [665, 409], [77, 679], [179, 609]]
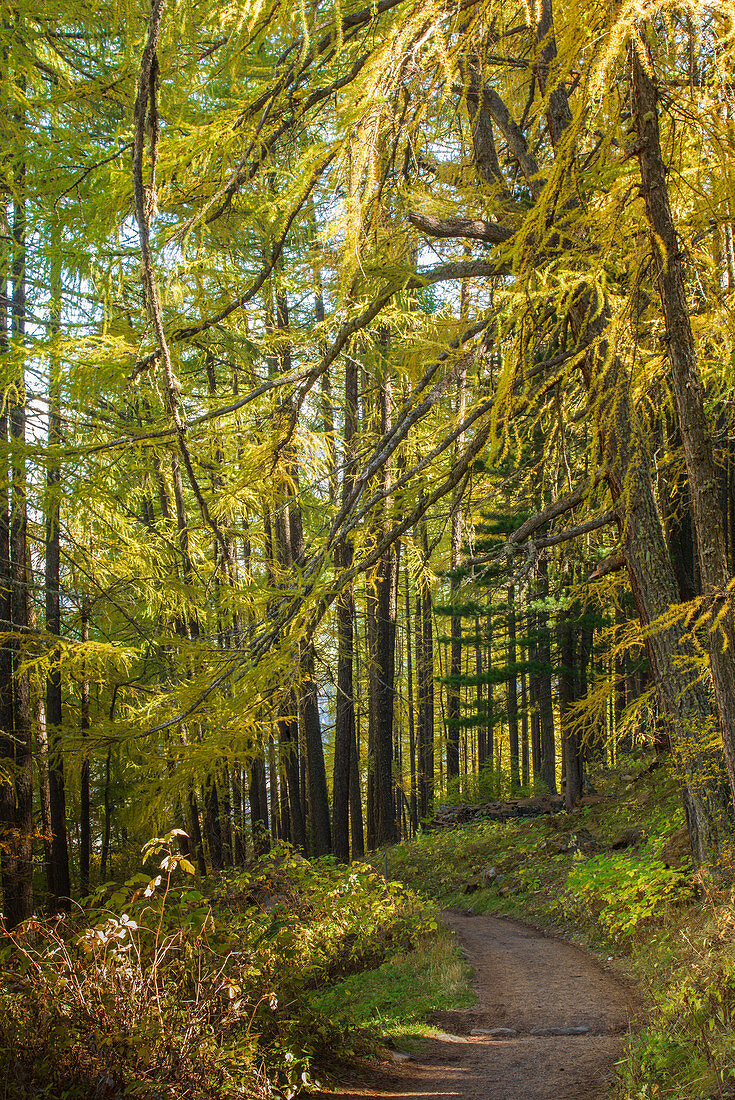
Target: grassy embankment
[[615, 876]]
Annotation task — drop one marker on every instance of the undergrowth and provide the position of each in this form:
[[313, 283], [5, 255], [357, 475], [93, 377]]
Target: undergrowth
[[615, 875], [160, 990], [250, 987]]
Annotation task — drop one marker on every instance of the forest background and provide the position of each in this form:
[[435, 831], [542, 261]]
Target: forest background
[[366, 426]]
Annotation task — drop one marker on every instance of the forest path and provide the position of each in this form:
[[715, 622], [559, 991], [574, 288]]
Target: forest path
[[524, 981]]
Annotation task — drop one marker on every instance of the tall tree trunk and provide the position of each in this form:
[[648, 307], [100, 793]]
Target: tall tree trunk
[[258, 807], [44, 795], [689, 395], [425, 694], [525, 770], [571, 746], [225, 816], [293, 824], [454, 690], [357, 833], [413, 804], [533, 697], [8, 855], [212, 824], [515, 779], [321, 834], [344, 734], [274, 782], [479, 700], [107, 821], [60, 881], [238, 809], [490, 727], [22, 901], [383, 608], [546, 705], [196, 841], [84, 821]]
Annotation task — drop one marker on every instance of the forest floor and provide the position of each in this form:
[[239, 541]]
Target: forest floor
[[623, 930], [532, 991]]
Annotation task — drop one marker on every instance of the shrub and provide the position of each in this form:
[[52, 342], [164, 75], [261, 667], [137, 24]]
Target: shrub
[[166, 992], [621, 892]]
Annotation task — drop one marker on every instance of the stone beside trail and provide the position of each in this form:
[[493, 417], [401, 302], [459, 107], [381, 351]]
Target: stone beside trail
[[549, 1024]]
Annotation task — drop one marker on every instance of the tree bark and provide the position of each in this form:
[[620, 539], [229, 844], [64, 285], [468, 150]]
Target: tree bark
[[413, 802], [454, 690], [8, 855], [212, 824], [689, 395], [259, 810], [512, 695], [60, 881], [571, 746], [384, 608], [20, 904], [84, 816], [425, 693], [546, 706], [321, 834], [344, 734]]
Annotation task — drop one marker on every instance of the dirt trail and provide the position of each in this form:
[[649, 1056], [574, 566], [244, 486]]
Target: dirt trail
[[523, 981]]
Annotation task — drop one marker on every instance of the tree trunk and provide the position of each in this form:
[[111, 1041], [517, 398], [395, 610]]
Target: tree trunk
[[60, 882], [571, 746], [212, 824], [479, 700], [533, 696], [689, 395], [546, 705], [512, 695], [525, 770], [321, 835], [84, 821], [490, 727], [382, 609], [107, 823], [195, 829], [454, 690], [21, 905], [225, 816], [8, 855], [413, 805], [259, 807], [425, 696], [344, 734]]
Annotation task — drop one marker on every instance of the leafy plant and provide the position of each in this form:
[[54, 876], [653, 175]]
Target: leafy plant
[[159, 989], [619, 892]]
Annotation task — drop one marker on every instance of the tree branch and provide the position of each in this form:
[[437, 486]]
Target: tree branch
[[610, 564], [471, 228]]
